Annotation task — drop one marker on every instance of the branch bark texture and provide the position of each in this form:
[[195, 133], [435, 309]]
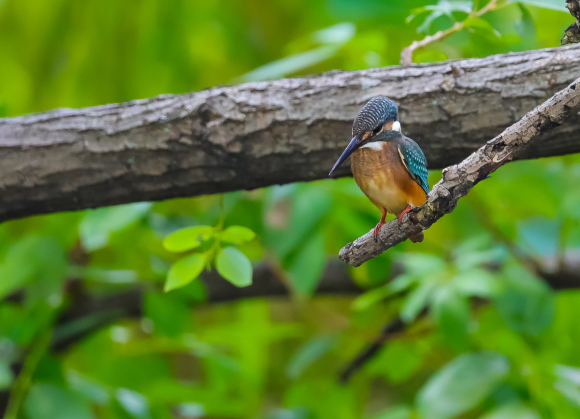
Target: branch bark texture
[[572, 33], [260, 134], [459, 179]]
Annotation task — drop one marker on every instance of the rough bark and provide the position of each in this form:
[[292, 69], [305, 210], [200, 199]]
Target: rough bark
[[459, 179], [260, 134], [572, 33]]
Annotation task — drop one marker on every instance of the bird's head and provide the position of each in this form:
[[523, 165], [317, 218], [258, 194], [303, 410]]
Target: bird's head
[[377, 116]]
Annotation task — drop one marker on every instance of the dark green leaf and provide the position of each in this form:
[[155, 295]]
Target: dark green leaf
[[526, 304], [452, 313]]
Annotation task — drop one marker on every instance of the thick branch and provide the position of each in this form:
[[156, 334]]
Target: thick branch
[[459, 179], [261, 134]]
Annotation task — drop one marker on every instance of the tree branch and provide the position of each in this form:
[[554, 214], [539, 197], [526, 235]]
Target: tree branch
[[572, 33], [260, 134], [459, 179]]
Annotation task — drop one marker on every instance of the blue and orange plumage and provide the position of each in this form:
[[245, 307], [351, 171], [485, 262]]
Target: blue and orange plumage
[[388, 167]]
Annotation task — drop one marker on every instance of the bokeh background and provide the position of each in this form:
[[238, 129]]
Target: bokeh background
[[86, 330]]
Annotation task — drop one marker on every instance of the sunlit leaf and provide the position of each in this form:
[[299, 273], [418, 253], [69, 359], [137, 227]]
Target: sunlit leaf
[[462, 384], [97, 225], [512, 411], [5, 376], [234, 266], [134, 403], [547, 4], [237, 234], [187, 238], [184, 271]]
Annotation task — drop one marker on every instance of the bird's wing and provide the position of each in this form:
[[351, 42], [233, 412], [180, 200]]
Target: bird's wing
[[414, 161]]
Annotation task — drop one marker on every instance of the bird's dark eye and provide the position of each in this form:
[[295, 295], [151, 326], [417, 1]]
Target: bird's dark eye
[[377, 130]]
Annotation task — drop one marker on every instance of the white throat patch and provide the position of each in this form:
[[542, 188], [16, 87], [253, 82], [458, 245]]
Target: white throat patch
[[375, 145], [396, 126]]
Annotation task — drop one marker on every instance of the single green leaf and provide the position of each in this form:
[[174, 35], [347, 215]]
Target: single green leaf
[[237, 234], [308, 265], [370, 298], [512, 411], [526, 304], [187, 238], [526, 27], [46, 401], [416, 301], [5, 376], [234, 266], [558, 5], [452, 314], [185, 270], [134, 403], [462, 384], [476, 283], [98, 224], [309, 353]]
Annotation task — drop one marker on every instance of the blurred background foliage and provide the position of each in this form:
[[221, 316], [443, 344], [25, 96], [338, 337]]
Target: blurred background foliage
[[497, 342]]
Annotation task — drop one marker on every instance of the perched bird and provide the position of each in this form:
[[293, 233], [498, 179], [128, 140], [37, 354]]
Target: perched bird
[[388, 167]]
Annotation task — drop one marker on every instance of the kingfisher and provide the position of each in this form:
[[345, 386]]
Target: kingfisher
[[388, 167]]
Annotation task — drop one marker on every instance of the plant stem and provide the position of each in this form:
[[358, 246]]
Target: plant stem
[[22, 384], [407, 53]]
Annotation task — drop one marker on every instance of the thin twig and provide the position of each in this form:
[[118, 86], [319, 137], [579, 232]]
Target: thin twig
[[392, 328], [407, 53]]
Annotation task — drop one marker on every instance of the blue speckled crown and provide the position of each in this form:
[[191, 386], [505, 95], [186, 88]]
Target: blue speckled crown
[[376, 112]]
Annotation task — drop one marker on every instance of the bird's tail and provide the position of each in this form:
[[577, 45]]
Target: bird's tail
[[417, 238]]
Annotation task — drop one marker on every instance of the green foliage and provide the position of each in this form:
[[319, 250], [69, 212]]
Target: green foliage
[[230, 263], [486, 336]]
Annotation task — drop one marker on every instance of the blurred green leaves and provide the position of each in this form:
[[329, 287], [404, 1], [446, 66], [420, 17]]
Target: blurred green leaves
[[462, 384], [279, 358]]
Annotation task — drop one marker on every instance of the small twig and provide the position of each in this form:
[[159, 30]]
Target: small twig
[[392, 328], [22, 384], [407, 53], [459, 179], [572, 34]]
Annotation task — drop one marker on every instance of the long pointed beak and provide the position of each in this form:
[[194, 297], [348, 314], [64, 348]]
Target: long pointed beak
[[352, 146]]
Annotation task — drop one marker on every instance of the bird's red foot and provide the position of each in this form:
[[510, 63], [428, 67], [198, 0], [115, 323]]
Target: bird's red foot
[[379, 225], [377, 229], [406, 210]]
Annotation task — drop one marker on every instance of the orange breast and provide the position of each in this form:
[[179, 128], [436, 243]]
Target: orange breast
[[383, 178]]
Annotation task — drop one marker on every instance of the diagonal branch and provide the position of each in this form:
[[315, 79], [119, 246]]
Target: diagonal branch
[[459, 179]]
